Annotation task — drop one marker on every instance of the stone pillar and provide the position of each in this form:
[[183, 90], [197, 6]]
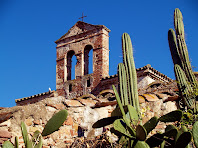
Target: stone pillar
[[79, 66]]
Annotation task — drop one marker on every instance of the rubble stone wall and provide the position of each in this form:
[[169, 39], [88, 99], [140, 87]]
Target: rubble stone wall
[[82, 113]]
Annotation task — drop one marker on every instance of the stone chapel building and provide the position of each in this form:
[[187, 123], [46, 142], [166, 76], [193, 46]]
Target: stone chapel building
[[79, 41]]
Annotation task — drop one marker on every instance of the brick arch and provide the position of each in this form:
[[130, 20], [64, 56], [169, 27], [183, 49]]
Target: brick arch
[[68, 64], [77, 39], [86, 52]]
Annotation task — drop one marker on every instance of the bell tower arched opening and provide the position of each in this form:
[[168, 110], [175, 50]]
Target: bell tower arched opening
[[71, 62], [88, 59]]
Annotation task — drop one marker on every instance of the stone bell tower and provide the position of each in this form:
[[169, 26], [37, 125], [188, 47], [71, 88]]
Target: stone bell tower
[[79, 41]]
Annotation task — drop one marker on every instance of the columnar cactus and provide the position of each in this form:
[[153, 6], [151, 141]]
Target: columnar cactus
[[127, 98], [185, 87], [122, 84], [183, 51], [195, 133], [180, 57], [127, 75]]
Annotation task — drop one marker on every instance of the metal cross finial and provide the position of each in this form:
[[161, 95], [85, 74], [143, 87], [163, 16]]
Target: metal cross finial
[[82, 17]]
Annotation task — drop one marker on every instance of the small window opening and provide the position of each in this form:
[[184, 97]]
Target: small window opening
[[70, 87], [80, 132], [88, 83]]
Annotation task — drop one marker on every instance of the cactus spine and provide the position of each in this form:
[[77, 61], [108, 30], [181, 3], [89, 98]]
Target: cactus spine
[[184, 86], [122, 84], [180, 58], [127, 75], [195, 133], [179, 49], [183, 51]]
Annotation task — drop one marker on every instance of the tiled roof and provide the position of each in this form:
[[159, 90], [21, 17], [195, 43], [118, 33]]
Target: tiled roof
[[160, 87], [37, 95], [101, 102], [109, 77], [147, 70], [153, 72]]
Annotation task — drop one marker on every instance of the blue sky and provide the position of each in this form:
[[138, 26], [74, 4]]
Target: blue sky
[[28, 30]]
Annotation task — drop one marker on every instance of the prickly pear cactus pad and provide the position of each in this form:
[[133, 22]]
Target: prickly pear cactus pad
[[55, 122]]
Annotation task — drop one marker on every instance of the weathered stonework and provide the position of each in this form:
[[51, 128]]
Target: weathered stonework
[[78, 41], [89, 96], [82, 113]]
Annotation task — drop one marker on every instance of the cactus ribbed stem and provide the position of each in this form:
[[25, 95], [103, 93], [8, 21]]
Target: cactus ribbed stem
[[188, 84], [126, 46], [122, 83], [131, 91], [184, 86], [173, 47], [183, 51], [178, 22], [186, 66]]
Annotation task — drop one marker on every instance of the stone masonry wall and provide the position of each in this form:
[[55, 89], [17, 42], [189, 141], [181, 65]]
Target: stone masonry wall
[[83, 112]]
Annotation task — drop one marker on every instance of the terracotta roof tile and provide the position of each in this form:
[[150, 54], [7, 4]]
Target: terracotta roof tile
[[73, 103], [141, 99], [104, 92], [162, 96], [37, 95], [172, 98], [57, 106], [109, 77], [87, 96], [151, 97], [103, 104], [87, 102], [148, 69]]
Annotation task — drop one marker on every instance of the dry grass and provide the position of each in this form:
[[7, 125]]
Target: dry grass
[[101, 141]]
